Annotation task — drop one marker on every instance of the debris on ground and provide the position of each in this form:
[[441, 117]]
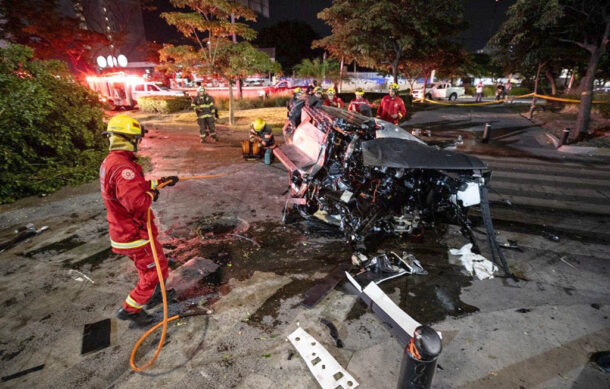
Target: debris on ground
[[511, 245], [550, 236], [564, 260], [79, 276], [387, 266], [476, 264], [328, 283], [96, 336], [187, 276], [334, 333], [23, 233], [326, 370], [22, 373]]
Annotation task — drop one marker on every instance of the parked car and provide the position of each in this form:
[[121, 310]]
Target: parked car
[[147, 89], [440, 91]]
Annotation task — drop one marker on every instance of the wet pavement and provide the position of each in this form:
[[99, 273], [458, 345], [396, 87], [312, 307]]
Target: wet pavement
[[254, 271]]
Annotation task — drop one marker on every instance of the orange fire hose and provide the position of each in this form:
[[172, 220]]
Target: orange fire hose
[[166, 319]]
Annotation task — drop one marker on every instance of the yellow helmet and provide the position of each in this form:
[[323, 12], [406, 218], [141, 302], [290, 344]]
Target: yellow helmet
[[317, 89], [394, 86], [331, 91], [258, 124], [359, 92], [298, 90], [125, 125]]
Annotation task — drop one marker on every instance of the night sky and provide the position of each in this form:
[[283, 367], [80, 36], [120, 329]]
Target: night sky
[[484, 17]]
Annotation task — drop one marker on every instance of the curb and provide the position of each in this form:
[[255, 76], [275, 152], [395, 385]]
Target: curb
[[582, 150]]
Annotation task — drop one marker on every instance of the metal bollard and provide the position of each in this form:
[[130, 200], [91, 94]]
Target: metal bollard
[[564, 137], [419, 359], [486, 133]]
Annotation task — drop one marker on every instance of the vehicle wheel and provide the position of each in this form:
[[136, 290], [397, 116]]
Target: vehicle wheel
[[453, 97], [428, 96]]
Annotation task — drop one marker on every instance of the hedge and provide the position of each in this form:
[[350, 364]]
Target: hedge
[[163, 104], [50, 126]]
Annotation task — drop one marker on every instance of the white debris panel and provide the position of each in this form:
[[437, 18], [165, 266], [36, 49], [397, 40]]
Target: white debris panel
[[324, 367], [476, 264]]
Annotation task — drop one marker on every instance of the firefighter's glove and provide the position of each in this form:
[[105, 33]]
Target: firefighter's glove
[[216, 114], [169, 181], [154, 194]]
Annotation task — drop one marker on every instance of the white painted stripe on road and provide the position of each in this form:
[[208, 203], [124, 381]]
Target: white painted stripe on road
[[554, 204], [546, 177], [551, 190]]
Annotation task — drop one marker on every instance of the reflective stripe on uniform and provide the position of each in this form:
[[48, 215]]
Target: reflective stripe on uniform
[[131, 302], [153, 184], [207, 115], [205, 105], [128, 245]]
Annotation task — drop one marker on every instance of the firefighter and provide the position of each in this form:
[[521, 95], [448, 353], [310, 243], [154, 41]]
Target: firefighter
[[392, 108], [204, 107], [333, 100], [315, 100], [260, 132], [295, 107], [360, 104], [127, 197]]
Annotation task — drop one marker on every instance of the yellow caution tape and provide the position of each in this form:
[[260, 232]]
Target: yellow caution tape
[[463, 104], [568, 100]]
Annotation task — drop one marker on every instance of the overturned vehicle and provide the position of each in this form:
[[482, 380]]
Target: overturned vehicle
[[368, 176]]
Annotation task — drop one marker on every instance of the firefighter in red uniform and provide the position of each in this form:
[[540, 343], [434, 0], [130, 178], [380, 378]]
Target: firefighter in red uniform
[[360, 104], [332, 99], [127, 197], [392, 108]]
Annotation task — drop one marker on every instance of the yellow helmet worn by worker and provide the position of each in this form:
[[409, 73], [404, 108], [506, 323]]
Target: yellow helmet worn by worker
[[124, 133], [359, 92], [394, 86], [330, 91], [317, 89], [258, 124], [201, 90], [298, 91]]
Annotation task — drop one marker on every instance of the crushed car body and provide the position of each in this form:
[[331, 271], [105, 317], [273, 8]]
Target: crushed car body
[[368, 177]]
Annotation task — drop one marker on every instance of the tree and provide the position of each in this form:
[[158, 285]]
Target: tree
[[53, 36], [318, 69], [209, 25], [586, 25], [292, 40], [50, 126], [384, 34], [538, 32], [522, 43]]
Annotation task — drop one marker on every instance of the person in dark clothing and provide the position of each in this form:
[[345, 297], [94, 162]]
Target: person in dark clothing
[[204, 107], [295, 106], [311, 87], [315, 100]]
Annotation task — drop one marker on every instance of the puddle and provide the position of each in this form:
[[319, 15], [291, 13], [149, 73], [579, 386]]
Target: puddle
[[304, 252], [58, 247]]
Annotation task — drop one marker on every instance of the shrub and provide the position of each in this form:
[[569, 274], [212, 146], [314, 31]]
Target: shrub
[[222, 103], [50, 126], [163, 104]]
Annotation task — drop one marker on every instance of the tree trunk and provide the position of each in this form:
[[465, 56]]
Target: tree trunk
[[240, 88], [340, 76], [551, 78], [586, 94], [533, 106], [395, 70], [423, 95], [571, 80], [231, 104]]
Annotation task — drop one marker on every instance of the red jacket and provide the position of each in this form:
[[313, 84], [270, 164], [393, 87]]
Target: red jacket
[[127, 197], [391, 106], [355, 105], [335, 102]]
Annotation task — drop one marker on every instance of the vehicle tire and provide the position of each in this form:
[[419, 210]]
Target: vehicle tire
[[428, 96], [453, 97]]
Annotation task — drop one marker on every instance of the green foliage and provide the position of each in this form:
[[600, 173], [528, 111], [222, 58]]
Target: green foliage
[[279, 101], [393, 35], [163, 104], [318, 69], [50, 126]]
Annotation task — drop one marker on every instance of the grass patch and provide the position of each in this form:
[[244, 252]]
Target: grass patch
[[274, 116]]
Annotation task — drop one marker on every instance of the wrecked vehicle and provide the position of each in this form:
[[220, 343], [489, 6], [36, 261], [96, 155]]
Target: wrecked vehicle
[[369, 177]]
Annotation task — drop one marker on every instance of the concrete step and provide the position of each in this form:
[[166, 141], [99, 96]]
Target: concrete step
[[553, 204], [600, 182], [551, 190]]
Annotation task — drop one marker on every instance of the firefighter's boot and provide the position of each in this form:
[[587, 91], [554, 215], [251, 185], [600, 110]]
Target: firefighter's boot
[[157, 297], [139, 319]]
